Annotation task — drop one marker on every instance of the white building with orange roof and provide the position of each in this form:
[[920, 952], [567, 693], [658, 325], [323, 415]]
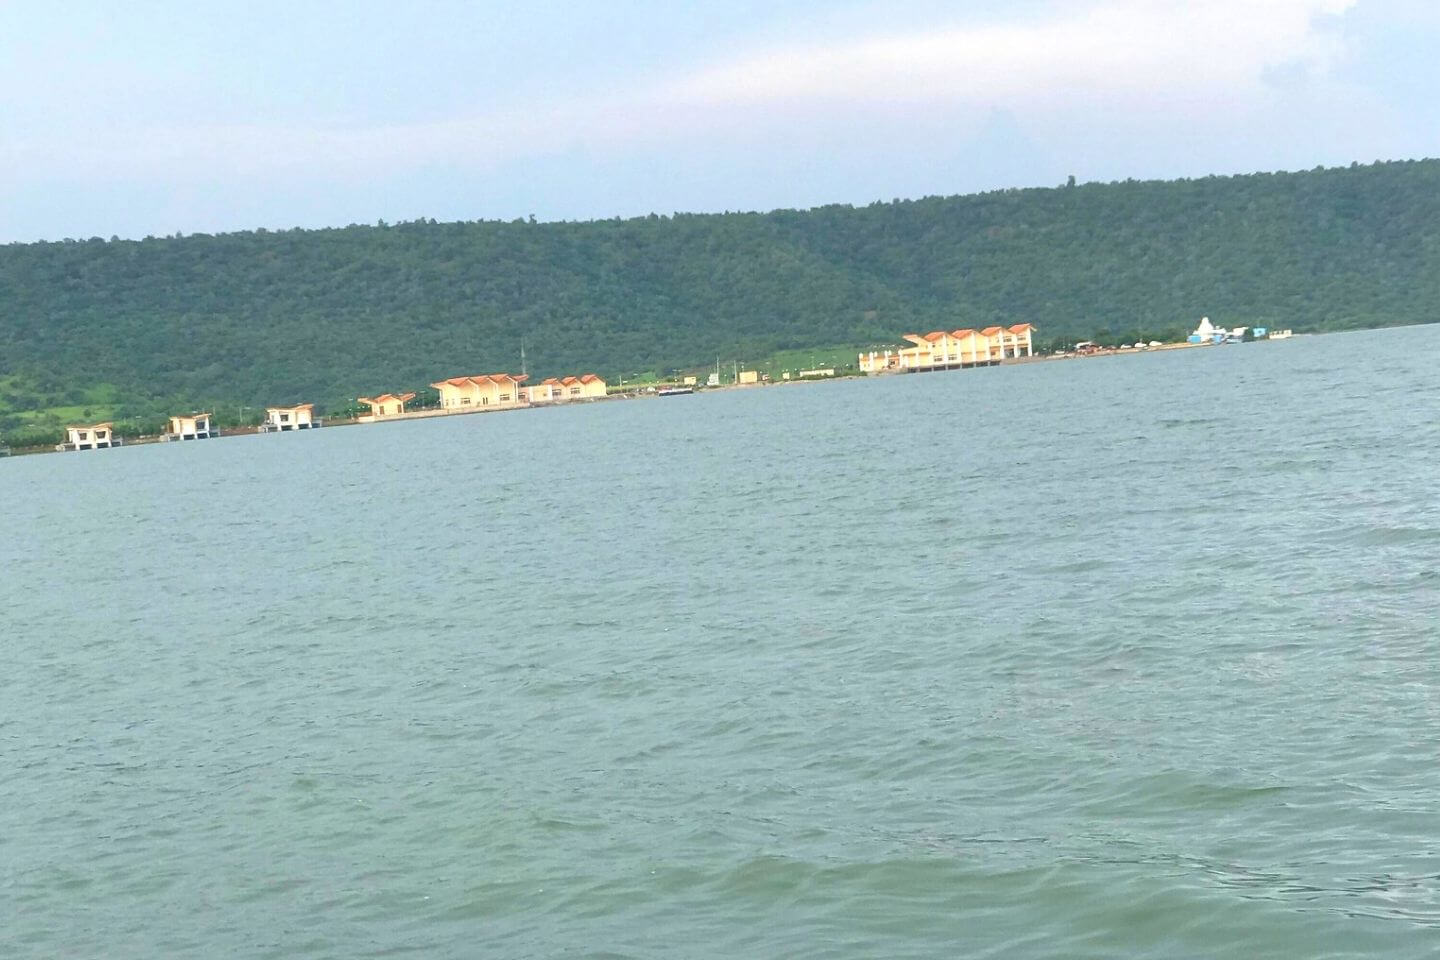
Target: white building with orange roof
[[90, 436], [383, 406], [486, 391], [190, 426], [285, 419]]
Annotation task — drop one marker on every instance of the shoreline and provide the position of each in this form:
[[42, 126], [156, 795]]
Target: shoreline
[[642, 393]]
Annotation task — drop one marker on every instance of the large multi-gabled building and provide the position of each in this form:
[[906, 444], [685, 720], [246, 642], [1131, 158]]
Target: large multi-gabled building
[[587, 386], [486, 391], [946, 350]]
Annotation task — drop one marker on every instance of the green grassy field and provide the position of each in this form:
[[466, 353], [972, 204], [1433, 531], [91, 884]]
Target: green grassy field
[[22, 424], [843, 359]]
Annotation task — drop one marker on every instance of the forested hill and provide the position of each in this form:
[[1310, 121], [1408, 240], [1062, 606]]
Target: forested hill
[[329, 314]]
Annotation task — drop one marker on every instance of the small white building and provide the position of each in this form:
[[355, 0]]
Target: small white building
[[193, 426], [281, 419], [95, 436]]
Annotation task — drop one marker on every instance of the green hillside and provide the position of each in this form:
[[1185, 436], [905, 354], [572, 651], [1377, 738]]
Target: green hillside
[[138, 327]]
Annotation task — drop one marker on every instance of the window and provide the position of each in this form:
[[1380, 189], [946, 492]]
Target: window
[[485, 400], [83, 434], [504, 397], [284, 418], [574, 391], [464, 401]]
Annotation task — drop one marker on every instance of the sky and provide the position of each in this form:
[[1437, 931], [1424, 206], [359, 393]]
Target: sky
[[152, 117]]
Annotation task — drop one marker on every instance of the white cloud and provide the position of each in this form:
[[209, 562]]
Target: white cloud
[[1082, 58], [1131, 49]]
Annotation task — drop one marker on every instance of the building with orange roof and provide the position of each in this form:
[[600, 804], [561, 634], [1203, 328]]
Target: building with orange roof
[[950, 350], [485, 391], [91, 436], [972, 346], [385, 405], [190, 426], [284, 419], [587, 386], [1015, 339]]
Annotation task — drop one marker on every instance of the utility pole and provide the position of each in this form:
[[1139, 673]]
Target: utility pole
[[523, 372]]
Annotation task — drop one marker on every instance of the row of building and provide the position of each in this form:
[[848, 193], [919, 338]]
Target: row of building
[[190, 426], [493, 391], [947, 350], [487, 391]]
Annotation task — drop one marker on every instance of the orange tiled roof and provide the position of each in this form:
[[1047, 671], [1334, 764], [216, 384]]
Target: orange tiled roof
[[991, 331], [496, 378], [298, 406], [1021, 328], [962, 334], [932, 337], [590, 378]]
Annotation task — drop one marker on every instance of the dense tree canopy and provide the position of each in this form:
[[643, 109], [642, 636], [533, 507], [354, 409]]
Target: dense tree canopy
[[326, 315]]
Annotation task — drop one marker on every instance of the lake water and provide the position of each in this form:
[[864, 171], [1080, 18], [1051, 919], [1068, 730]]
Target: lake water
[[1122, 657]]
